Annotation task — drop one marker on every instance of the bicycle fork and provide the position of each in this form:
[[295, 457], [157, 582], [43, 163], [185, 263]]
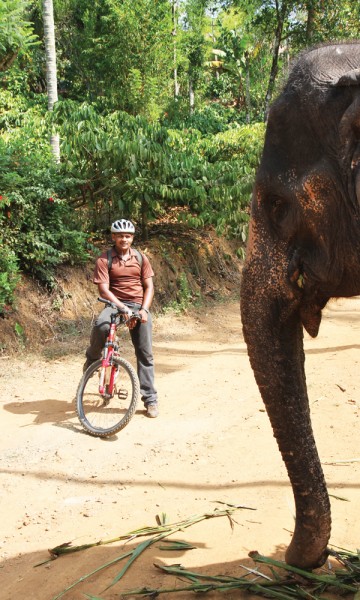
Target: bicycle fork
[[108, 370]]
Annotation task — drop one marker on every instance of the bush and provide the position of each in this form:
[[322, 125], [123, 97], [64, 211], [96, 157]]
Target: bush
[[39, 229], [9, 276], [242, 143], [209, 120], [230, 160]]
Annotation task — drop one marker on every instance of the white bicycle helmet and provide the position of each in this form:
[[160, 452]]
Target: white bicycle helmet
[[122, 226]]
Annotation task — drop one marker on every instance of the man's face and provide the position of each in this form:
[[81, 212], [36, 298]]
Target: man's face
[[122, 241]]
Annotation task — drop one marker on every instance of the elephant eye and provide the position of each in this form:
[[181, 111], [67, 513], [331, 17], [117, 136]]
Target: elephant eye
[[279, 209]]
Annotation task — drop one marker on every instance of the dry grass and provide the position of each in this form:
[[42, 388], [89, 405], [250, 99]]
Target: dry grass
[[268, 579]]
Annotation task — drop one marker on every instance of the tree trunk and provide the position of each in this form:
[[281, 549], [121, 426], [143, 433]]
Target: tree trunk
[[51, 75], [174, 32], [280, 14], [7, 61], [311, 13], [144, 220], [191, 96], [247, 89]]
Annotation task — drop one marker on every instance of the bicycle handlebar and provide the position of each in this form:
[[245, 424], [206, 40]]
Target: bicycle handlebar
[[112, 304], [119, 310]]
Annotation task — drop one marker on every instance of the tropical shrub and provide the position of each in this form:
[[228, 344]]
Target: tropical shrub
[[39, 229], [126, 164], [9, 275]]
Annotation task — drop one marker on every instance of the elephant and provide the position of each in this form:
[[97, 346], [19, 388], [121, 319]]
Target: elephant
[[303, 249]]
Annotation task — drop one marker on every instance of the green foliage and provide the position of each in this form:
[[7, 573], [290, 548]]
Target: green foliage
[[244, 142], [221, 89], [210, 119], [123, 161], [9, 276], [229, 162], [129, 164], [128, 146], [185, 297], [20, 334], [39, 231], [16, 31], [331, 20], [125, 57]]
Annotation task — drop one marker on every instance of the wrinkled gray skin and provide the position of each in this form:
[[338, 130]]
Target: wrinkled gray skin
[[304, 248]]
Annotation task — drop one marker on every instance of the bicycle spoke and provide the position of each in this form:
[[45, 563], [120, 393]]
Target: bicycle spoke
[[101, 415]]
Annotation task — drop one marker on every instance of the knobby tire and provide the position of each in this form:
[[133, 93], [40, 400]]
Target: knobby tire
[[96, 417]]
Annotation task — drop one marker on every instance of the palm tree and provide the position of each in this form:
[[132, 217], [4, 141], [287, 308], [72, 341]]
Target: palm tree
[[51, 76]]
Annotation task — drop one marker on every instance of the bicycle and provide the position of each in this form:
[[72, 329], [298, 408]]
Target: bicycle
[[109, 390]]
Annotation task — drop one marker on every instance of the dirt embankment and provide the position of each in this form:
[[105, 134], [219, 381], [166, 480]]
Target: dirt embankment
[[189, 266]]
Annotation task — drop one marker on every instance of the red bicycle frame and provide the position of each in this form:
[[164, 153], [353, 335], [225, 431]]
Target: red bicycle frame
[[108, 370]]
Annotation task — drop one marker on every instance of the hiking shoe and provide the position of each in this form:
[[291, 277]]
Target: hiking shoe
[[152, 410]]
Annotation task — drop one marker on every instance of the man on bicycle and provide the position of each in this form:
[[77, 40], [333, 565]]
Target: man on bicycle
[[129, 285]]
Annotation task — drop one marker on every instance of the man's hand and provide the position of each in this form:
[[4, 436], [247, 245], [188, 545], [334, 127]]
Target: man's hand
[[131, 320], [144, 315]]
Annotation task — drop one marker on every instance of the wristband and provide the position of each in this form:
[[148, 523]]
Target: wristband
[[145, 309]]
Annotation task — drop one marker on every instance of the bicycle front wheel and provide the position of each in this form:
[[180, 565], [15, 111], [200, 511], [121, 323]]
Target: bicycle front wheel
[[103, 415]]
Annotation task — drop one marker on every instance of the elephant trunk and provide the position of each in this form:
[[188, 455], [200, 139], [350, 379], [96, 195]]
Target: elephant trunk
[[270, 310]]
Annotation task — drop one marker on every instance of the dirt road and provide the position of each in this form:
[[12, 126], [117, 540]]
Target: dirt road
[[212, 442]]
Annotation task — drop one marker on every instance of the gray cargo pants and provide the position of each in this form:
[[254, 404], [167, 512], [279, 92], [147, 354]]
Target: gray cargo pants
[[141, 337]]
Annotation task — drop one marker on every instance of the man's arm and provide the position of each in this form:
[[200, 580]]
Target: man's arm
[[148, 286], [104, 292]]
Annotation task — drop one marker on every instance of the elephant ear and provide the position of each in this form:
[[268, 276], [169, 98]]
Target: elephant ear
[[347, 79], [349, 132], [355, 167]]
